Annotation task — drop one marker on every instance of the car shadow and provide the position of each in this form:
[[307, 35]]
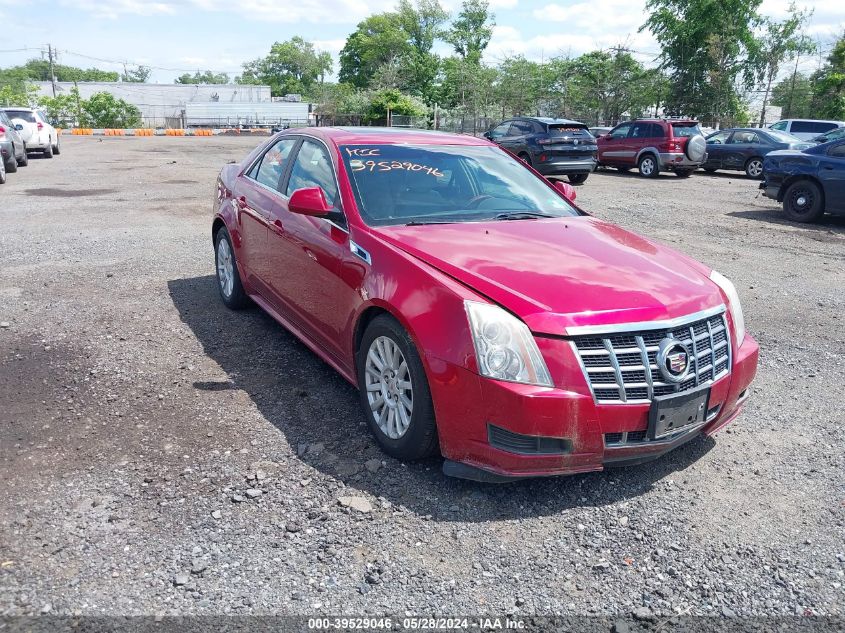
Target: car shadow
[[319, 414], [635, 174], [831, 223]]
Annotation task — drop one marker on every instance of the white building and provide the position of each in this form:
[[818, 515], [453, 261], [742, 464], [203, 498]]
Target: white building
[[163, 105]]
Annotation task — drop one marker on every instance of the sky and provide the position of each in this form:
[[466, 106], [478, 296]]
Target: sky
[[176, 36]]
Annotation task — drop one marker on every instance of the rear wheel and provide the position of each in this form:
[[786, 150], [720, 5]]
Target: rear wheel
[[228, 279], [56, 148], [12, 163], [394, 391], [577, 179], [803, 201], [48, 151], [754, 168], [23, 161], [648, 166]]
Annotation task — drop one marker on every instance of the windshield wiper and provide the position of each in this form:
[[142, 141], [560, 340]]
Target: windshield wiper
[[522, 215], [424, 222]]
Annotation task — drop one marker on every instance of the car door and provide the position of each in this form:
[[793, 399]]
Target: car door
[[717, 148], [305, 251], [615, 149], [514, 140], [741, 146], [257, 193], [832, 177]]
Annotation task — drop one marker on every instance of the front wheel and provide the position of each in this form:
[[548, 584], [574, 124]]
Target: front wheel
[[578, 179], [754, 168], [228, 279], [649, 167], [394, 391], [803, 202]]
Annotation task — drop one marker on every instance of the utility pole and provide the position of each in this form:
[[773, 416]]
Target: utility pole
[[52, 74]]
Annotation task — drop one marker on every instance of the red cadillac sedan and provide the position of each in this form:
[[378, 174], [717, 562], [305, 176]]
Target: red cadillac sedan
[[480, 313]]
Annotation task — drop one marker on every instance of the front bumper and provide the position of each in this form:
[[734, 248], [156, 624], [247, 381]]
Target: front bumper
[[678, 160], [467, 406], [771, 190]]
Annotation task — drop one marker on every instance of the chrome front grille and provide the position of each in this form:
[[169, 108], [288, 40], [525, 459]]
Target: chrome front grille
[[621, 366]]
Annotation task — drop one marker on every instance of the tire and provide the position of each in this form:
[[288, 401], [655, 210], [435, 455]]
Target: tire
[[2, 172], [12, 163], [803, 201], [24, 160], [48, 151], [402, 436], [683, 173], [648, 166], [228, 280], [56, 149], [754, 168], [578, 179]]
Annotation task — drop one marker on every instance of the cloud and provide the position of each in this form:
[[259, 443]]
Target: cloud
[[312, 11], [115, 8]]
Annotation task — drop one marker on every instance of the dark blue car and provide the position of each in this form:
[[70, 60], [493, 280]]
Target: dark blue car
[[807, 182], [743, 149]]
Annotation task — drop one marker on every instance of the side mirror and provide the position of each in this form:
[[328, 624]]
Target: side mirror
[[488, 135], [18, 127], [309, 201], [566, 189]]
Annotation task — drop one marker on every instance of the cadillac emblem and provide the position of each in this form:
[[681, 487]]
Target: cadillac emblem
[[673, 360]]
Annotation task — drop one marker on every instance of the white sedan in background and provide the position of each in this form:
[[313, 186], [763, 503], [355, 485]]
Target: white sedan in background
[[36, 132]]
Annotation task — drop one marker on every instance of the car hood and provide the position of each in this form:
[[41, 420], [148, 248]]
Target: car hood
[[562, 273]]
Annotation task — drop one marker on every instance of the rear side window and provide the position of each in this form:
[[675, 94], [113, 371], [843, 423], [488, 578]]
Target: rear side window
[[837, 151], [270, 169], [22, 114], [811, 127], [518, 128], [313, 168], [685, 129], [744, 138]]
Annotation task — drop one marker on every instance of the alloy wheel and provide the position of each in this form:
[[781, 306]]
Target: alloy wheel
[[754, 168], [647, 166], [225, 267], [390, 392]]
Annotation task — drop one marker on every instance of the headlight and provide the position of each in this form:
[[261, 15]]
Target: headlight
[[733, 303], [504, 347]]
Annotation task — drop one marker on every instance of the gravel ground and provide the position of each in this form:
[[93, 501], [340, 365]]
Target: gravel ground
[[162, 455]]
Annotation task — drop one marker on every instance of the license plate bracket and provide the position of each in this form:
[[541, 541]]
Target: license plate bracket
[[674, 412]]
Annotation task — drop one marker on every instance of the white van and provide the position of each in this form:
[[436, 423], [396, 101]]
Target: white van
[[806, 129]]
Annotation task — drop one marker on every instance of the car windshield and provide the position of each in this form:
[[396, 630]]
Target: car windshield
[[401, 184], [686, 129], [21, 114], [832, 135], [783, 137]]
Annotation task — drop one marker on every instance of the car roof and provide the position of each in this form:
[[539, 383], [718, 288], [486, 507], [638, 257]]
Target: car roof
[[388, 136], [839, 123], [19, 108], [659, 120]]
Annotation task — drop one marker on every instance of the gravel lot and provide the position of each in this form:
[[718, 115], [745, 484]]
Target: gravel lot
[[162, 455]]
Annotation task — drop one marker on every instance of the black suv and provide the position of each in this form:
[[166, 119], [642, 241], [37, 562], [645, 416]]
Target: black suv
[[554, 147]]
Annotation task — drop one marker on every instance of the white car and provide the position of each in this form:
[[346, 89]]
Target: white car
[[35, 131], [806, 129]]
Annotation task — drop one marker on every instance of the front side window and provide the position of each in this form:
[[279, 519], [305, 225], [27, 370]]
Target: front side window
[[500, 130], [270, 169], [837, 151], [719, 138], [398, 184], [313, 168], [621, 131]]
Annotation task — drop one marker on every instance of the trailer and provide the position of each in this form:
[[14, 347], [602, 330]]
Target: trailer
[[247, 115]]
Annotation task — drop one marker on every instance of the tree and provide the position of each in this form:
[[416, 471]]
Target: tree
[[207, 77], [105, 110], [64, 109], [393, 102], [794, 95], [138, 75], [39, 70], [780, 42], [705, 49], [829, 88], [378, 40], [18, 95], [471, 31], [291, 67]]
